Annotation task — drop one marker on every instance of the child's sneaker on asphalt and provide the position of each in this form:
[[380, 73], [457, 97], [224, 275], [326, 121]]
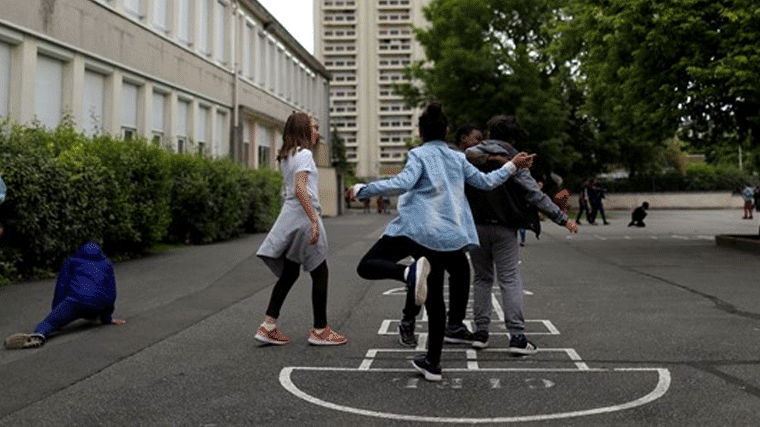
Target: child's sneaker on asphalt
[[480, 339], [432, 373], [416, 280], [19, 341], [519, 345], [458, 334], [406, 336], [327, 337], [271, 337]]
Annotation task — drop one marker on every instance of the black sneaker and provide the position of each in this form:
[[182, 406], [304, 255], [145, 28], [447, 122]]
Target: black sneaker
[[519, 345], [480, 339], [432, 373], [406, 335], [416, 280], [457, 334]]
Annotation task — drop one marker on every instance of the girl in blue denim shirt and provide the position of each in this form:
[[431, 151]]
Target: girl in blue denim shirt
[[434, 224]]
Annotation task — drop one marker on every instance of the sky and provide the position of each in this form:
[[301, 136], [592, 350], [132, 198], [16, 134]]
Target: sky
[[297, 16]]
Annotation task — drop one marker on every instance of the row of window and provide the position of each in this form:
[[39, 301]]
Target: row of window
[[206, 27], [130, 100]]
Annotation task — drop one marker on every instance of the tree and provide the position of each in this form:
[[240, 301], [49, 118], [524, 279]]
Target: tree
[[488, 57], [654, 69], [339, 160]]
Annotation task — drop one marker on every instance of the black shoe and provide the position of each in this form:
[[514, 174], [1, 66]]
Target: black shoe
[[519, 345], [432, 373], [406, 335], [458, 334], [480, 339]]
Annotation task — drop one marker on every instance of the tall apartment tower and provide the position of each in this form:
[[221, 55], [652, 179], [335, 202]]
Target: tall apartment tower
[[365, 44]]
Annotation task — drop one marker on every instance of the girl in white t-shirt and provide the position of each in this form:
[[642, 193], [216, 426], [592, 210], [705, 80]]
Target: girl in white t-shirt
[[297, 239]]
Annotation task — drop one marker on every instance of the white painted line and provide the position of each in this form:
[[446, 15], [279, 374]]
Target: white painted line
[[527, 292], [653, 237], [675, 236], [496, 308], [368, 358], [627, 237], [577, 358], [703, 237], [598, 237], [663, 384], [472, 360], [385, 327], [395, 291], [549, 327]]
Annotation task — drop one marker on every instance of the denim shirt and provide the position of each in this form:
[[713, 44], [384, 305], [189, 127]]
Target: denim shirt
[[433, 210], [2, 190]]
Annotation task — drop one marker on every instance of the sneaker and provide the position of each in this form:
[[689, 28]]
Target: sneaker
[[416, 280], [458, 334], [432, 373], [271, 337], [19, 341], [480, 339], [406, 336], [520, 345], [327, 337]]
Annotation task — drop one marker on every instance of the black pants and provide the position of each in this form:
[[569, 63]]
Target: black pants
[[583, 207], [289, 276], [381, 262]]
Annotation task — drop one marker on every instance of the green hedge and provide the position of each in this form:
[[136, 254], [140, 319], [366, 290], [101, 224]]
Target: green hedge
[[698, 177], [64, 188]]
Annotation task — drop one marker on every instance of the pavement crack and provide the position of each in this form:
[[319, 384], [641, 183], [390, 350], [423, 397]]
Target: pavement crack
[[718, 303]]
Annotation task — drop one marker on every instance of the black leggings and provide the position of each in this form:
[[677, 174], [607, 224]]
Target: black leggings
[[381, 262], [290, 273]]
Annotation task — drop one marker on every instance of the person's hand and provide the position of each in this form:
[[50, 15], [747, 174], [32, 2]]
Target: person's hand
[[118, 321], [355, 189], [572, 226], [562, 199], [523, 160], [314, 233]]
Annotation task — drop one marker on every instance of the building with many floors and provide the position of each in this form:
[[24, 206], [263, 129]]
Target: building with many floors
[[220, 76], [366, 44]]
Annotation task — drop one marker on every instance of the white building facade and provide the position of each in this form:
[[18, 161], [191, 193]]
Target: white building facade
[[220, 76], [366, 44]]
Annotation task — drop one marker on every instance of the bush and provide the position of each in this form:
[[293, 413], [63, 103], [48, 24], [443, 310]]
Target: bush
[[697, 177], [215, 200], [64, 188]]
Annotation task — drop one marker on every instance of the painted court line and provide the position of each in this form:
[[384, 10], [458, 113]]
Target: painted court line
[[660, 389]]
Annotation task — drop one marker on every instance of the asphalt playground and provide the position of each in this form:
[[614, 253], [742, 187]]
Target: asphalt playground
[[654, 326]]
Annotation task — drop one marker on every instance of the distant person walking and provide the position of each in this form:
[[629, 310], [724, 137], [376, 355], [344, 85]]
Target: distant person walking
[[583, 206], [596, 195], [748, 194], [85, 289], [432, 222], [297, 238], [638, 215]]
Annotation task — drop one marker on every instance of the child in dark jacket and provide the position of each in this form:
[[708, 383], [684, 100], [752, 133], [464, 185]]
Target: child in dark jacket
[[85, 289]]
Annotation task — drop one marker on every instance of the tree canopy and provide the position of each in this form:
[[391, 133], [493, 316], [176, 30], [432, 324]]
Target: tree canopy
[[597, 82]]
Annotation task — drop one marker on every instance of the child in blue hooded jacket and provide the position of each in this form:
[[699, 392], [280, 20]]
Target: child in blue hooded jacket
[[85, 289]]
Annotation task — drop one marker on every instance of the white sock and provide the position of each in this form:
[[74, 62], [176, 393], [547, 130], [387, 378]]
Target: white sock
[[269, 326]]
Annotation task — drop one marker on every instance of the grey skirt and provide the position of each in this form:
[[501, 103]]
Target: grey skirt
[[289, 239]]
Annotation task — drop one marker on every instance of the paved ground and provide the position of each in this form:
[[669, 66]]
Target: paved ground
[[653, 326]]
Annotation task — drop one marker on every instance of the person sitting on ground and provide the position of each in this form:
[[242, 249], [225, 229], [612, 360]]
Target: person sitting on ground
[[638, 215], [85, 289]]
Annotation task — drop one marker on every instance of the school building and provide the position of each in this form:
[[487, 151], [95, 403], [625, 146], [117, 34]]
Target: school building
[[217, 76]]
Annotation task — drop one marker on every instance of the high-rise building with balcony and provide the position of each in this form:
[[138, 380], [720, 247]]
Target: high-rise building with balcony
[[366, 44]]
